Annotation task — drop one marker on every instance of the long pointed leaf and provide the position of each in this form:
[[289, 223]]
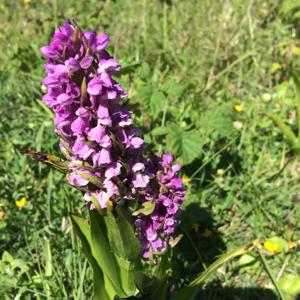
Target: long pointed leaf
[[286, 130], [190, 291], [297, 89], [103, 254], [126, 248], [83, 231], [48, 159]]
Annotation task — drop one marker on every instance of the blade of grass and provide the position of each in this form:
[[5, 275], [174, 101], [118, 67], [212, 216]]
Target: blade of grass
[[212, 157], [189, 291], [286, 130], [297, 90], [270, 274]]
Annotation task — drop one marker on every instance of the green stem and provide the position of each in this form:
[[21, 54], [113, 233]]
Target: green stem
[[270, 274]]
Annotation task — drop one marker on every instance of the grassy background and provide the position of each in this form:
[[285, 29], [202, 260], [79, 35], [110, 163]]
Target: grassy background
[[207, 70]]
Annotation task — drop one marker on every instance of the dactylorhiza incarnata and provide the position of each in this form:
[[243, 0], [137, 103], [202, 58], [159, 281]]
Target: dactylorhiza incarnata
[[99, 139]]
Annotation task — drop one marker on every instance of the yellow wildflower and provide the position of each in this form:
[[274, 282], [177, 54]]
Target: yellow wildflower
[[20, 203], [238, 107], [186, 180], [26, 2], [270, 246], [2, 215]]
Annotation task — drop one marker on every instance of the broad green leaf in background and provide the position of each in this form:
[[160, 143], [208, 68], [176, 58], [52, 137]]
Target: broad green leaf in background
[[11, 269], [288, 6], [7, 257], [173, 89], [157, 103], [186, 145], [290, 284], [219, 120], [157, 131]]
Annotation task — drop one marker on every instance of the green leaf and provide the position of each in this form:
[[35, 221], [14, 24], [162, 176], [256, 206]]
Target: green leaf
[[125, 246], [157, 103], [190, 291], [290, 284], [121, 236], [146, 209], [289, 5], [218, 120], [7, 257], [248, 262], [186, 145], [48, 258], [127, 275], [145, 93], [297, 88], [144, 71], [159, 288], [157, 131], [285, 129], [83, 231], [173, 89], [48, 159], [104, 255], [269, 272], [93, 179]]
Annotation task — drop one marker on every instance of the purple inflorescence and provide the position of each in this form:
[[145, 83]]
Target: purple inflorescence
[[98, 137], [167, 193]]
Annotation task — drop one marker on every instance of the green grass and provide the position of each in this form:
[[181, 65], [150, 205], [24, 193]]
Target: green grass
[[196, 61]]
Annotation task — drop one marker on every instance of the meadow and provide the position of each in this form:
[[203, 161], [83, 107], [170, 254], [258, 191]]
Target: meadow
[[202, 77]]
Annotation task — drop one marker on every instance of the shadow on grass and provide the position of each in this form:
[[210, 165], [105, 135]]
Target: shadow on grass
[[201, 241], [201, 245], [220, 293]]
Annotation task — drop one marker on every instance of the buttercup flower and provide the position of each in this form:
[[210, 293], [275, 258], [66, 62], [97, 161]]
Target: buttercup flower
[[21, 202]]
